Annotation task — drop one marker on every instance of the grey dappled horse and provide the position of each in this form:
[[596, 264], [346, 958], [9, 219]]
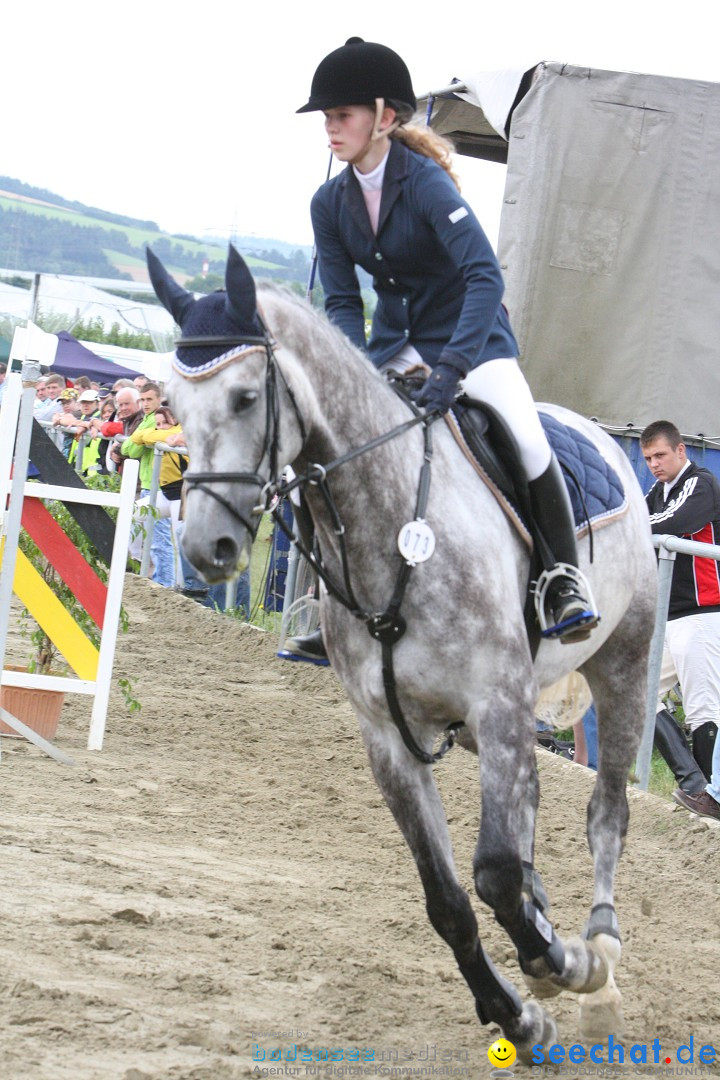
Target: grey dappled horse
[[248, 409]]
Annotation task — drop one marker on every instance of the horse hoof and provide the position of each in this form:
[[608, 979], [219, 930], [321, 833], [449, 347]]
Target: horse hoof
[[601, 1014], [586, 970], [534, 1026], [540, 986], [601, 1011]]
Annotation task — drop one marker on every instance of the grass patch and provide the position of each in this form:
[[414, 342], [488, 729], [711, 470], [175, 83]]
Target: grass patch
[[260, 560], [661, 781]]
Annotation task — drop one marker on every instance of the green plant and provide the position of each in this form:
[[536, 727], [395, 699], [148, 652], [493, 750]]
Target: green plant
[[128, 693], [45, 655], [259, 568]]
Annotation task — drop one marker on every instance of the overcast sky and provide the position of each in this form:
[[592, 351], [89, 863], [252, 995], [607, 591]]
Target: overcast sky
[[184, 113]]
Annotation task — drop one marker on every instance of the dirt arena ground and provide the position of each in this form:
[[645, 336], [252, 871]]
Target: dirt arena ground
[[224, 876]]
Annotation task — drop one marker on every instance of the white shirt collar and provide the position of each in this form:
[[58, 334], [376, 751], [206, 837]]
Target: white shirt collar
[[373, 180], [671, 483]]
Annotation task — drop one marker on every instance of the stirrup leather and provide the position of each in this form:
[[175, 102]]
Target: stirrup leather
[[586, 616]]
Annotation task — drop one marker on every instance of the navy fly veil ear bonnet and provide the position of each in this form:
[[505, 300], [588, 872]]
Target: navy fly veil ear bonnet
[[230, 316], [356, 74]]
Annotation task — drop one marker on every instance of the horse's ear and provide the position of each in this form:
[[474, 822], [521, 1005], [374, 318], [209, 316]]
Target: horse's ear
[[241, 301], [172, 296]]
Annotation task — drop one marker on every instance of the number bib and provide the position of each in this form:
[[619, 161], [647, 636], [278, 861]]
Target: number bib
[[416, 542]]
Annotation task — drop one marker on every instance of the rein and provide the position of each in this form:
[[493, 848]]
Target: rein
[[386, 627]]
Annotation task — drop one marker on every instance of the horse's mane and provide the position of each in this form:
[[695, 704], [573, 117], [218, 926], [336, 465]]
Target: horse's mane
[[352, 396], [309, 331]]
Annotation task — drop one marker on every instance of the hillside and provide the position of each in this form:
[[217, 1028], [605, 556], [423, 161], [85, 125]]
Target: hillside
[[47, 233]]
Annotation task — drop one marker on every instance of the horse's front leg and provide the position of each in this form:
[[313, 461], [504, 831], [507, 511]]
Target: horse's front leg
[[410, 792], [504, 875]]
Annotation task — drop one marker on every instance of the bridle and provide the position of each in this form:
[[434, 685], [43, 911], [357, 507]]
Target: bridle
[[386, 627], [239, 348]]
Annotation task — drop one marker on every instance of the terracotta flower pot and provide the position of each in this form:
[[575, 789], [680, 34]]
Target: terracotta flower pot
[[39, 709]]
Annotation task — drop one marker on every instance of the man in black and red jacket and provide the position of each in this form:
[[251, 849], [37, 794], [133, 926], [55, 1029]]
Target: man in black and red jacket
[[685, 501]]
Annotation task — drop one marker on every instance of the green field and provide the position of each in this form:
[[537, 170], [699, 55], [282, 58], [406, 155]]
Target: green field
[[138, 238]]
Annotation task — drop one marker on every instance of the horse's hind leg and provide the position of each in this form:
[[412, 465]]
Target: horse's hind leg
[[618, 679], [504, 874], [409, 789]]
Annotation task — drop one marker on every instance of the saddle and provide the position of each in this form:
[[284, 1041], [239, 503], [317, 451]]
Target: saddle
[[488, 444], [596, 492], [496, 454]]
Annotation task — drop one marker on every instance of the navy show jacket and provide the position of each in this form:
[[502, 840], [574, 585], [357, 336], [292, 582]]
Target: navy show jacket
[[438, 283]]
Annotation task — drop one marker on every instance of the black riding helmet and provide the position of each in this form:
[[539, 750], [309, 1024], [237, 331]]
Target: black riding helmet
[[356, 74]]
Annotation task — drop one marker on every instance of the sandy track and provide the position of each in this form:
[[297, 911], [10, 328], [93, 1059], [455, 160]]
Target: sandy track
[[226, 867]]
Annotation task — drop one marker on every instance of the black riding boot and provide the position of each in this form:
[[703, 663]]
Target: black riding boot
[[563, 592], [703, 744], [306, 647], [673, 746]]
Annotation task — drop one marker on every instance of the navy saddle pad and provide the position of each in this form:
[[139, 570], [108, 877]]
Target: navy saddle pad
[[601, 486]]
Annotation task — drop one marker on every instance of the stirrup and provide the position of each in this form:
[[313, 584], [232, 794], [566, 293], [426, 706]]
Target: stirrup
[[578, 624]]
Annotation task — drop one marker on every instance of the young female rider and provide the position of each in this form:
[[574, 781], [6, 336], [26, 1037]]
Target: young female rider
[[396, 211]]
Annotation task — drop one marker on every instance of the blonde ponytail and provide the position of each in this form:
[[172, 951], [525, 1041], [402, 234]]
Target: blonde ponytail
[[417, 136]]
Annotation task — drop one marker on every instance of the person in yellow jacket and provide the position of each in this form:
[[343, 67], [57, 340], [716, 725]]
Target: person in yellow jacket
[[89, 402], [172, 467]]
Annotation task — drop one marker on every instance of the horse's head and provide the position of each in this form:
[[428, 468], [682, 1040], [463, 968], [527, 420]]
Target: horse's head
[[224, 391]]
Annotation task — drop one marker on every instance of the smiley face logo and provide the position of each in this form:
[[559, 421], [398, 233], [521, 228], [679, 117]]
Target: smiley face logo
[[501, 1054]]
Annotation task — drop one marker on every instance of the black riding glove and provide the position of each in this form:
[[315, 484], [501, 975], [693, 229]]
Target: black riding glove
[[440, 388]]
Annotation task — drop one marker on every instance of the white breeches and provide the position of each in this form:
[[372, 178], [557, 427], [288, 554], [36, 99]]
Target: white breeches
[[502, 385], [691, 656]]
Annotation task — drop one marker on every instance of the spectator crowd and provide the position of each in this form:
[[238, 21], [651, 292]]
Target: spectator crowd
[[97, 429]]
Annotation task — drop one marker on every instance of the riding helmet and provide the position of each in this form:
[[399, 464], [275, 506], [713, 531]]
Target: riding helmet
[[356, 74]]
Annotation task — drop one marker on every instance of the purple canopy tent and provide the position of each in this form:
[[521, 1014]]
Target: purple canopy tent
[[73, 359]]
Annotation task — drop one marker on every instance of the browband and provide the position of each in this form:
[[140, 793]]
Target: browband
[[221, 339]]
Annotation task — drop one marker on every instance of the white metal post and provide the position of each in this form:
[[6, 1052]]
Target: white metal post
[[11, 518], [665, 571], [116, 579], [668, 546]]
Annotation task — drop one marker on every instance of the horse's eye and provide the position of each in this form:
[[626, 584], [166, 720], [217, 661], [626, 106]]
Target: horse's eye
[[243, 399]]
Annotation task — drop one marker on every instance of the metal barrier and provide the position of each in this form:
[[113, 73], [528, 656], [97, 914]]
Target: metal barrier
[[159, 450], [667, 546]]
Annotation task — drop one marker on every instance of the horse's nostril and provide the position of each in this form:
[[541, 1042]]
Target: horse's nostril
[[226, 552]]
